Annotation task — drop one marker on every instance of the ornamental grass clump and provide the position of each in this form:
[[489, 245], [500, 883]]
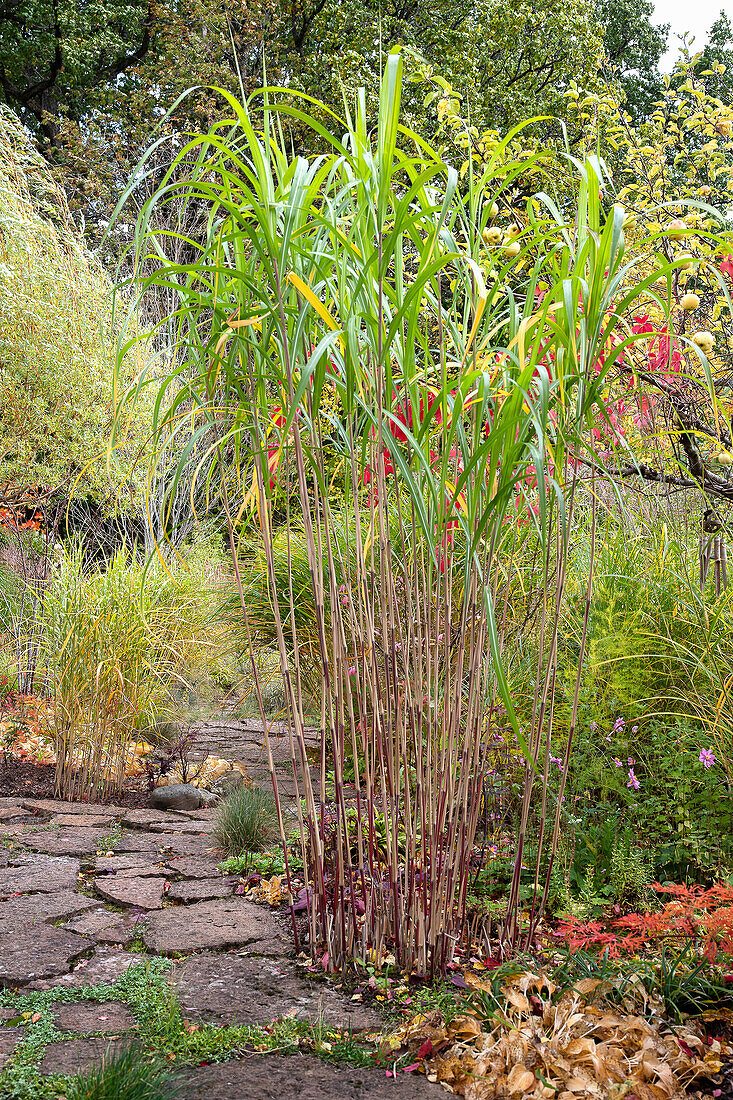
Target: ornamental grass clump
[[462, 450], [131, 1074], [118, 642], [246, 821]]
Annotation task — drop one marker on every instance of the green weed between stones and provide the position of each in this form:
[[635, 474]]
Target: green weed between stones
[[109, 841], [162, 1032]]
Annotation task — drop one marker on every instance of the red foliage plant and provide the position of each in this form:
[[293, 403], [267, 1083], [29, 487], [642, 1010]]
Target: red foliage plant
[[704, 916], [12, 520]]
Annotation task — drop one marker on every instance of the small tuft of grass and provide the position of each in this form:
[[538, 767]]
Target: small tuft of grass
[[130, 1074], [246, 820]]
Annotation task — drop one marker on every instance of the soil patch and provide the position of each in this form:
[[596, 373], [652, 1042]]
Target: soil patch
[[300, 1077], [27, 780]]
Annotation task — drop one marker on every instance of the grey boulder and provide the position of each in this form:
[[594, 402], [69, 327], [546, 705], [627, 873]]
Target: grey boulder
[[176, 796]]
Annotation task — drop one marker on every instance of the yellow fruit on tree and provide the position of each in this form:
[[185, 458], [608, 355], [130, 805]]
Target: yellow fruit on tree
[[512, 249], [494, 211], [725, 458], [677, 229], [684, 261], [689, 302], [491, 235], [704, 341]]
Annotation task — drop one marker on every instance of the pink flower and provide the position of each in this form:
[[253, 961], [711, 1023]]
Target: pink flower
[[633, 782], [352, 672], [707, 757], [617, 762]]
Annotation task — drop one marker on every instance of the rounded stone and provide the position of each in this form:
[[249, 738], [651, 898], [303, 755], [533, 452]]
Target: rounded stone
[[176, 796]]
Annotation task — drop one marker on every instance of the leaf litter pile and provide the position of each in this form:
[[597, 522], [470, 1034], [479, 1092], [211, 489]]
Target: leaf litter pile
[[580, 1044]]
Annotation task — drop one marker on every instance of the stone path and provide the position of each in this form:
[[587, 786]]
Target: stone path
[[243, 743], [87, 891]]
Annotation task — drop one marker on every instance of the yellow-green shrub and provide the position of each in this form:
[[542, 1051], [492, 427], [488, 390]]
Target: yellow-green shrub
[[57, 350]]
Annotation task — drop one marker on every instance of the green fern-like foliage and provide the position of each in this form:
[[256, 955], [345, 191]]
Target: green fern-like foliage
[[630, 875]]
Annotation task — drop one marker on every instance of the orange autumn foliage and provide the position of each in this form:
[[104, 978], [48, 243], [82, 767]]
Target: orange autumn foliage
[[695, 913]]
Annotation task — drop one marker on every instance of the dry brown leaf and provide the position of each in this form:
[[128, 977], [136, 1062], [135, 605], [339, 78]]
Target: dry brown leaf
[[713, 1062], [465, 1028], [473, 981], [515, 998], [646, 1091], [587, 985], [571, 1052], [579, 1046], [620, 1090], [480, 1088], [713, 1014], [521, 1080], [578, 1084]]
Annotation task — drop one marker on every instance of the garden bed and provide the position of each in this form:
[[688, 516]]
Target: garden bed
[[23, 778]]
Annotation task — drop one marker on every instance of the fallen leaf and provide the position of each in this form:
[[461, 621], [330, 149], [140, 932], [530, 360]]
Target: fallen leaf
[[521, 1080]]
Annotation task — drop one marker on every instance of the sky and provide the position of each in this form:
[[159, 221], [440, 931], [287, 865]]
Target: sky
[[696, 16]]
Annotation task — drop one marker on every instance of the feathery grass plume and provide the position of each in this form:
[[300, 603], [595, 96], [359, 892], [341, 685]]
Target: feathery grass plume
[[390, 538]]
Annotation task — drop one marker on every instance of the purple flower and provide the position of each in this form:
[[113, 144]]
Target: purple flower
[[707, 757], [634, 729], [593, 726], [617, 762], [631, 761], [633, 782]]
